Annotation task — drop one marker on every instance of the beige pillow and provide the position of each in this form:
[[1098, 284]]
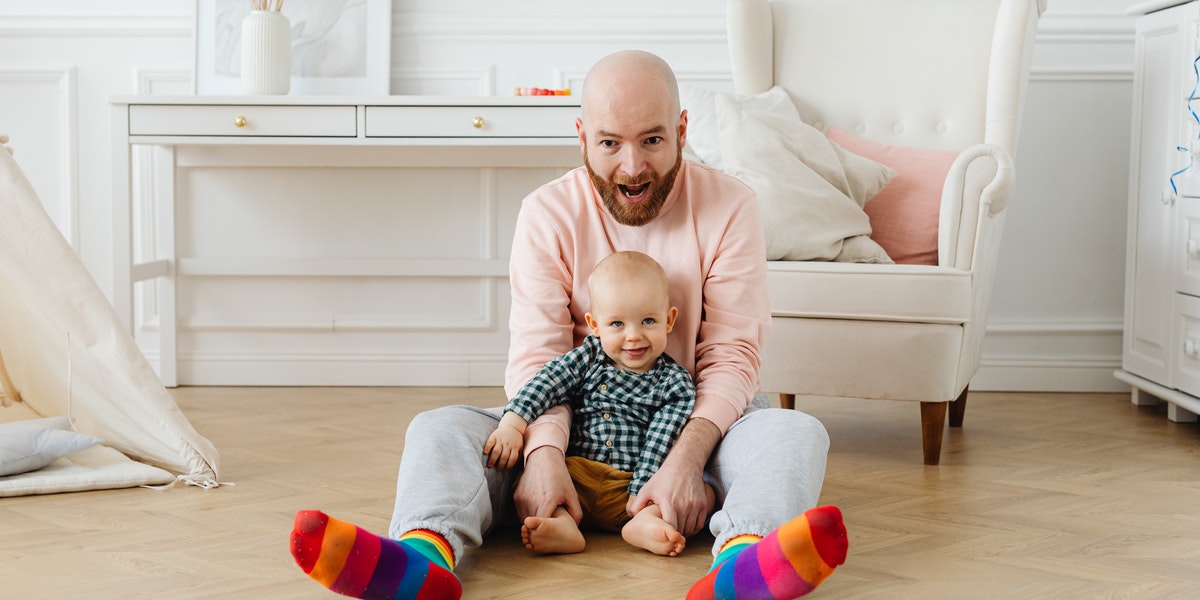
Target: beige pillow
[[810, 192]]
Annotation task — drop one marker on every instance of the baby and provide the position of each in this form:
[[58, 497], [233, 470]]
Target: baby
[[629, 399]]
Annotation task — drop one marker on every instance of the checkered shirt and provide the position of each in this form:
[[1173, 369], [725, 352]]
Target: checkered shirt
[[625, 419]]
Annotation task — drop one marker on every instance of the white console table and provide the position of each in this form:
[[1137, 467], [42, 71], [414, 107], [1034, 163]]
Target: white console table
[[250, 140]]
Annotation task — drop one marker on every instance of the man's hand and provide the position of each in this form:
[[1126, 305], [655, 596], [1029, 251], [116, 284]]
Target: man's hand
[[546, 485], [678, 485]]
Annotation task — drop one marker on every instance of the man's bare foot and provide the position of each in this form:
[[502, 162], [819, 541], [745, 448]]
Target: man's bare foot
[[653, 534], [554, 535]]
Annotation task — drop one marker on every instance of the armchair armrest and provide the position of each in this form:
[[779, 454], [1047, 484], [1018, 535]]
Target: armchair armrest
[[977, 188]]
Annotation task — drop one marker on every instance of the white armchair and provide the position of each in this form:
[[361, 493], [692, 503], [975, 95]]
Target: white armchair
[[933, 74]]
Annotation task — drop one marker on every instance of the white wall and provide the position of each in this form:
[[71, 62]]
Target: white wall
[[1056, 317]]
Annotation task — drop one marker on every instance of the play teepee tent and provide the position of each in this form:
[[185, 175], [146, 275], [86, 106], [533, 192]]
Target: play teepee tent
[[64, 352]]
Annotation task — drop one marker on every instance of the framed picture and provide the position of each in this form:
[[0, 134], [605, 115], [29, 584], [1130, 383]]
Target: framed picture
[[338, 46]]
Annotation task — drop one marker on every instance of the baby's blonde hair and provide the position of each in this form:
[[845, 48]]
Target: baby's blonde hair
[[626, 266]]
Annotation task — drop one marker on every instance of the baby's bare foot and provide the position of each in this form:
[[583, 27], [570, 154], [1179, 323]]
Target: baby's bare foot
[[654, 535], [552, 535]]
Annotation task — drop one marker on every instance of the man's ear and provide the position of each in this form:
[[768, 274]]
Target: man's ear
[[671, 314], [582, 135], [592, 323], [683, 120]]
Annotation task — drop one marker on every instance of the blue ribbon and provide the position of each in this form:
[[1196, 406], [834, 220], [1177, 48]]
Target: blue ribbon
[[1191, 98]]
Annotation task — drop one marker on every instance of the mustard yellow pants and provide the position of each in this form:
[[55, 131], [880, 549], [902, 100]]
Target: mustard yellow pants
[[603, 492]]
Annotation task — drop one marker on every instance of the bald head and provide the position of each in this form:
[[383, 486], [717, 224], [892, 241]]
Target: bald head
[[622, 271], [628, 78]]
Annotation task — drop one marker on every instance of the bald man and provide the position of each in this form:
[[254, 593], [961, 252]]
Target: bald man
[[634, 192]]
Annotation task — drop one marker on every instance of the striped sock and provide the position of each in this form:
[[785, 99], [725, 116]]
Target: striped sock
[[788, 563], [354, 562]]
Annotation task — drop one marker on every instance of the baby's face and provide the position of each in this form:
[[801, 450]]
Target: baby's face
[[632, 323]]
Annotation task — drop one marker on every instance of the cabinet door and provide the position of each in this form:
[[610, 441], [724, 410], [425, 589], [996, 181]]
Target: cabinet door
[[1161, 65]]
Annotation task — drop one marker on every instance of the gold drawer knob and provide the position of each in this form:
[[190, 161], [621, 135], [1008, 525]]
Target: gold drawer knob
[[477, 122], [239, 121]]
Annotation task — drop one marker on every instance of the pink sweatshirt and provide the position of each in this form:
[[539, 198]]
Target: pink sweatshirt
[[708, 238]]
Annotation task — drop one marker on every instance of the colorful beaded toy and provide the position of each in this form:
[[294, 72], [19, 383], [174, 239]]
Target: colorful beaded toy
[[540, 92]]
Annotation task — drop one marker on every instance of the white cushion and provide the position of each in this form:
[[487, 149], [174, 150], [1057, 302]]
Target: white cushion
[[906, 293], [802, 179], [33, 444], [795, 172], [97, 468]]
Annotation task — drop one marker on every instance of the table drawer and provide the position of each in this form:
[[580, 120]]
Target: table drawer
[[243, 120], [471, 121]]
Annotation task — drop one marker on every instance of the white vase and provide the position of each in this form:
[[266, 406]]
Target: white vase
[[266, 53]]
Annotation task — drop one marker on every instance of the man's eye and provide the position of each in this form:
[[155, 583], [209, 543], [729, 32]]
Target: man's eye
[[608, 144], [654, 140]]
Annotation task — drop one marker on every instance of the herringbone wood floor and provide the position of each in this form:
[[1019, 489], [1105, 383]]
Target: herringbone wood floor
[[1039, 496]]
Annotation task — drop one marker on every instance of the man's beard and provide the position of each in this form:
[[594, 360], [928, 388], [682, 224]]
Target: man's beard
[[639, 214]]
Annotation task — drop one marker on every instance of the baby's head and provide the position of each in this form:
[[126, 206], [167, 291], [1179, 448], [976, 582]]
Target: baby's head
[[631, 309]]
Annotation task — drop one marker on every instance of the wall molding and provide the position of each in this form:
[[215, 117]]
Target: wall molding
[[67, 151], [93, 25], [1082, 73], [419, 78], [484, 321], [322, 369], [1051, 355], [1056, 327], [511, 27]]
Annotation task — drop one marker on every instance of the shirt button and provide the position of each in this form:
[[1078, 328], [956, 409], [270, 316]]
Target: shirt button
[[603, 387], [606, 415], [608, 443]]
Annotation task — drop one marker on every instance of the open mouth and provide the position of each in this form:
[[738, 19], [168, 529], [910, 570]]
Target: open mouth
[[635, 353], [634, 192]]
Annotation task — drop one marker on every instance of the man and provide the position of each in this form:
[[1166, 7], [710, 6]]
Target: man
[[766, 465]]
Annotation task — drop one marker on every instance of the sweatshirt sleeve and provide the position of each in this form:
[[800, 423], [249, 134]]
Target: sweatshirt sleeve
[[558, 382], [540, 324], [736, 319]]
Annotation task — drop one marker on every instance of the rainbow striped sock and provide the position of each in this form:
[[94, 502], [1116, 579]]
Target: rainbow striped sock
[[354, 562], [788, 563]]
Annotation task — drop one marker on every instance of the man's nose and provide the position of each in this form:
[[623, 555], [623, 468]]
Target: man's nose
[[633, 160]]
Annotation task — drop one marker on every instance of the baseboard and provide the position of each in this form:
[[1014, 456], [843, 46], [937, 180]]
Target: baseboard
[[1050, 356], [1048, 376]]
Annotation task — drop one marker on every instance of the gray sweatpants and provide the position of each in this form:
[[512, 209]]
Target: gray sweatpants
[[767, 470]]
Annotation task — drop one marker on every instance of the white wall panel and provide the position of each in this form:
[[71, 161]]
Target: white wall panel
[[1059, 292], [37, 110], [1056, 313]]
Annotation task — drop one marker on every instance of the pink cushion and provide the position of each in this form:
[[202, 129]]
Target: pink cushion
[[904, 215]]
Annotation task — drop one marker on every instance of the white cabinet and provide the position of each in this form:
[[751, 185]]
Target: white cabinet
[[291, 240], [1161, 354]]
